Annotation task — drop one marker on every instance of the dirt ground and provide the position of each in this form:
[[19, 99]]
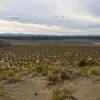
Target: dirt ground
[[85, 88], [28, 89], [37, 88]]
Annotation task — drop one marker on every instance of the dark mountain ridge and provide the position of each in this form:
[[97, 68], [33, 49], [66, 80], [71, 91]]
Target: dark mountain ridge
[[22, 36]]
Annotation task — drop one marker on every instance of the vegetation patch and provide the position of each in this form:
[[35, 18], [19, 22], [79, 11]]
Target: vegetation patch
[[43, 69], [58, 75], [62, 94], [82, 63], [9, 76], [95, 72]]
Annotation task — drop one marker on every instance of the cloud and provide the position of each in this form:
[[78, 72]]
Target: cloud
[[58, 16], [18, 27]]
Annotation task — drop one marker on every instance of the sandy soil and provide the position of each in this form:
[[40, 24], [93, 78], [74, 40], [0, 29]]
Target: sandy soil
[[37, 89], [87, 89], [28, 89]]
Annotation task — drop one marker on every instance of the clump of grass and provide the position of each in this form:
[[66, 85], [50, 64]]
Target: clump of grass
[[84, 71], [43, 69], [85, 62], [62, 94], [95, 72], [14, 78], [4, 74], [57, 75], [38, 69], [82, 63], [54, 78], [88, 71], [10, 76], [30, 70]]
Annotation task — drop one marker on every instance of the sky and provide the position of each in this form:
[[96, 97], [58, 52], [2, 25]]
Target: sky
[[50, 17]]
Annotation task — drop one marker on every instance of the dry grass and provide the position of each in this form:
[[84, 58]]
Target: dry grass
[[9, 76], [58, 75], [62, 94]]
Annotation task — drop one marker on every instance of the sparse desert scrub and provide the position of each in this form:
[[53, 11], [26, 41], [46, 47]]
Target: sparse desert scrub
[[95, 72], [58, 75], [92, 63], [30, 55], [9, 76], [62, 94], [86, 62], [14, 79], [41, 69], [84, 71], [82, 63], [41, 59], [37, 70], [4, 74]]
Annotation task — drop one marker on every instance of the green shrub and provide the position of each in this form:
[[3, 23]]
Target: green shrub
[[82, 63]]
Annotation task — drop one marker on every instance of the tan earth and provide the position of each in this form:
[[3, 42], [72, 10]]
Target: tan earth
[[37, 88]]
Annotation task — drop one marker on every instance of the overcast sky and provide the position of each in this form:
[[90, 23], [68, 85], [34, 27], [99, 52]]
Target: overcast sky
[[51, 17]]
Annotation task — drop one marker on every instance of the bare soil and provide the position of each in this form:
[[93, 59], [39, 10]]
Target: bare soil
[[37, 88], [85, 88]]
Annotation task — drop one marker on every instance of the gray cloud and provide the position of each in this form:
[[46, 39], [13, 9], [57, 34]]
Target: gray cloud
[[74, 14], [91, 6]]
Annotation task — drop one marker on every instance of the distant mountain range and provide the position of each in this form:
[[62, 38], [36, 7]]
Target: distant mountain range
[[21, 36]]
